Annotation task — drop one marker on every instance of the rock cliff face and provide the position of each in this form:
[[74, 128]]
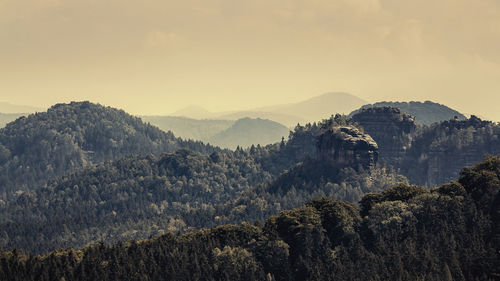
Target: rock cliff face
[[390, 128], [464, 144], [347, 146]]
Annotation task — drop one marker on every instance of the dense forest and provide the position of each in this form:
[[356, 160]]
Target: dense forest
[[128, 198], [402, 233], [140, 196], [83, 174], [67, 137]]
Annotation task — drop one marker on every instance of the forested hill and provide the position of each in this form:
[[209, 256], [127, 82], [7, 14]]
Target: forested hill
[[140, 196], [68, 137], [403, 233], [135, 197], [425, 113]]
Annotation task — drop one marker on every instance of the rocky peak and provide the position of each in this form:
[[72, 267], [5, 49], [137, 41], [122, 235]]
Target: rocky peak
[[390, 128], [386, 116], [347, 145], [460, 124]]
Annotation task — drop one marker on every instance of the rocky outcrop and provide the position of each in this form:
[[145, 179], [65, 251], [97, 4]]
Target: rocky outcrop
[[465, 144], [347, 146], [390, 128], [460, 124]]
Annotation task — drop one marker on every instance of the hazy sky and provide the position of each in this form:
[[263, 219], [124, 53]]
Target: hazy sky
[[156, 56]]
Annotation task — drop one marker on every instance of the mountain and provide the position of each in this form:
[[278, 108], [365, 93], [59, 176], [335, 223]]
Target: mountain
[[319, 107], [310, 110], [44, 146], [188, 128], [223, 133], [140, 196], [402, 233], [289, 120], [425, 113], [143, 195], [246, 132], [392, 129], [9, 117], [6, 107], [193, 111]]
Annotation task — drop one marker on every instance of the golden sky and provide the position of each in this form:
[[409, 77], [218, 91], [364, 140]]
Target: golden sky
[[156, 56]]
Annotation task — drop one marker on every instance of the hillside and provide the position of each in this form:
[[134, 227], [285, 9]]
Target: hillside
[[140, 196], [425, 113], [402, 233], [246, 132], [188, 128], [134, 197], [67, 137]]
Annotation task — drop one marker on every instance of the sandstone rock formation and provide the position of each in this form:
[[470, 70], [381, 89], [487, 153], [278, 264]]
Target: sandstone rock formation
[[347, 146], [465, 144], [390, 128]]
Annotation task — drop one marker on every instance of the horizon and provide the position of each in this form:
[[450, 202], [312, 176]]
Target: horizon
[[38, 108]]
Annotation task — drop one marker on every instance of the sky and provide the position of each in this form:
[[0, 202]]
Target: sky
[[157, 56]]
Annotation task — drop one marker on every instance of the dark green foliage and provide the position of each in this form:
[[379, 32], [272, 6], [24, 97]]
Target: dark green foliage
[[410, 233], [67, 137], [138, 197], [134, 197], [142, 196]]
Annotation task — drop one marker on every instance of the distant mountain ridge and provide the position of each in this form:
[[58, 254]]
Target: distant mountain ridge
[[193, 111], [425, 113], [230, 134], [288, 120], [188, 128], [319, 107], [310, 110], [6, 107], [246, 132], [9, 117]]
